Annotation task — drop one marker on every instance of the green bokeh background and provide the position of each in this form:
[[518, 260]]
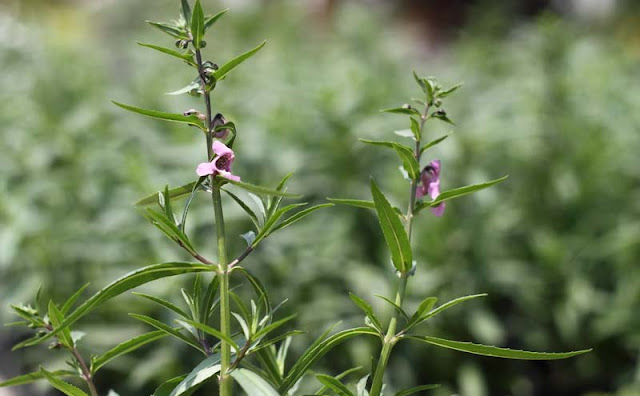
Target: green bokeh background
[[551, 97]]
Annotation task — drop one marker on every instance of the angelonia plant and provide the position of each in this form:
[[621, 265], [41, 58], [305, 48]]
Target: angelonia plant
[[241, 342]]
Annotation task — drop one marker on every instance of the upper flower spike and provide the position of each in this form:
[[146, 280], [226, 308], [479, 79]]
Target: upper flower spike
[[221, 163], [430, 178]]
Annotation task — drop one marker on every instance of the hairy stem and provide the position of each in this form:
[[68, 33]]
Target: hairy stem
[[391, 337]]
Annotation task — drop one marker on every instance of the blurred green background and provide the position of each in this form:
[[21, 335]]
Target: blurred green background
[[551, 97]]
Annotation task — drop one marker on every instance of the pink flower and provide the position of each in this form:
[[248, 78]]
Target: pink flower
[[221, 164], [430, 177]]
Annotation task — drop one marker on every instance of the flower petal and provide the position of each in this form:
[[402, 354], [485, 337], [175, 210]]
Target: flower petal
[[205, 168], [438, 210], [228, 175], [220, 149]]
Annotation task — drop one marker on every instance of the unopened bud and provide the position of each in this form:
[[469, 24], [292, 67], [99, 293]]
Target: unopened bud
[[437, 102], [441, 112], [203, 44], [196, 113], [407, 106]]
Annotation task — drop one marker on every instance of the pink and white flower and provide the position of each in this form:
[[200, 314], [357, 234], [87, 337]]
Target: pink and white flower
[[430, 178], [221, 163]]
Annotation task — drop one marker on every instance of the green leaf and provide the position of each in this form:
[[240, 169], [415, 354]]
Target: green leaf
[[268, 329], [206, 369], [405, 153], [299, 216], [359, 203], [432, 143], [259, 189], [71, 300], [186, 11], [185, 57], [127, 282], [244, 207], [168, 227], [166, 204], [60, 385], [64, 333], [168, 329], [227, 67], [451, 303], [486, 350], [339, 377], [174, 193], [197, 25], [252, 383], [316, 351], [190, 88], [449, 91], [425, 306], [191, 120], [441, 115], [271, 221], [458, 192], [210, 330], [415, 129], [420, 82], [416, 389], [187, 205], [395, 306], [258, 287], [394, 233], [368, 311], [171, 30], [35, 376], [209, 297], [163, 303], [210, 20], [124, 348], [168, 386], [403, 110], [335, 385]]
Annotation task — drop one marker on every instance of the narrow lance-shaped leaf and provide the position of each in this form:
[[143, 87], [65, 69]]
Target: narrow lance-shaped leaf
[[299, 216], [191, 119], [405, 153], [176, 54], [197, 25], [227, 67], [258, 189], [358, 203], [449, 91], [433, 143], [163, 303], [335, 385], [71, 300], [202, 372], [64, 387], [457, 193], [393, 231], [174, 193], [169, 29], [252, 383], [186, 11], [35, 376], [210, 20], [56, 317], [493, 351], [165, 328], [416, 389], [408, 110], [316, 351], [124, 348], [210, 330], [368, 311], [119, 286]]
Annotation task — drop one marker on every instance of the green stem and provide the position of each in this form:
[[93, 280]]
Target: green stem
[[390, 338], [226, 381]]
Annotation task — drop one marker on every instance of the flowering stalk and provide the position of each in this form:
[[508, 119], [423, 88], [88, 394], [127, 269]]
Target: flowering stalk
[[390, 338], [226, 382]]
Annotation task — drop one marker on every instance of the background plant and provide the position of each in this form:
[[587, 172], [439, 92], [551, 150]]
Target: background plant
[[69, 216]]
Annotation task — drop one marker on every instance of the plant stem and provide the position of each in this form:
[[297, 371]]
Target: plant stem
[[226, 381], [390, 338], [86, 374], [225, 310]]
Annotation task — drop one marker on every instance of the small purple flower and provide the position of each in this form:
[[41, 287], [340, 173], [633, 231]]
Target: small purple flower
[[221, 164], [430, 177]]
